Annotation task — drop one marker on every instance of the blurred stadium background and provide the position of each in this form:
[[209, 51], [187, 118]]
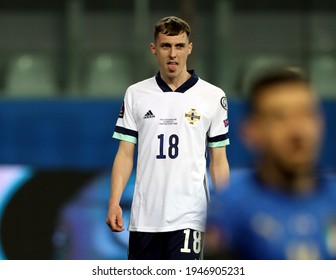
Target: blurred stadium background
[[64, 67]]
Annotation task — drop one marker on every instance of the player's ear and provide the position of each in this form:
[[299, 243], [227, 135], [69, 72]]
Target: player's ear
[[190, 46], [153, 48]]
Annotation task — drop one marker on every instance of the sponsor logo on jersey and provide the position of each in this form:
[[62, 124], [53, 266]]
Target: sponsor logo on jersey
[[192, 116], [149, 115]]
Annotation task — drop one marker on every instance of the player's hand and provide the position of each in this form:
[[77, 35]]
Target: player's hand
[[114, 218]]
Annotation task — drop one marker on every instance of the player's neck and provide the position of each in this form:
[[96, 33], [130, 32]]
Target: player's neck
[[299, 182], [177, 81]]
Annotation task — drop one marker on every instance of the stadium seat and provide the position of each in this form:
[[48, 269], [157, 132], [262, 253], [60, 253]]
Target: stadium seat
[[323, 75], [108, 76], [30, 75]]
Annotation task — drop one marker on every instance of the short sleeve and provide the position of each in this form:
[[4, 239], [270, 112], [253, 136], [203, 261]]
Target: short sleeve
[[126, 128], [218, 134]]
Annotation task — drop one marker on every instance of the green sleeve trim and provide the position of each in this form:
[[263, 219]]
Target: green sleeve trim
[[219, 144], [124, 137]]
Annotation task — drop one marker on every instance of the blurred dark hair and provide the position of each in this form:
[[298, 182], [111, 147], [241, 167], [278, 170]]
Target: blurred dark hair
[[273, 75], [171, 26]]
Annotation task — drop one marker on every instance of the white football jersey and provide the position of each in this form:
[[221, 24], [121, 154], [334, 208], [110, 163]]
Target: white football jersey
[[172, 130]]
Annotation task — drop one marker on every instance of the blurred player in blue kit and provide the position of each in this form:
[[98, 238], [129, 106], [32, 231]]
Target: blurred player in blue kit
[[173, 117], [284, 207]]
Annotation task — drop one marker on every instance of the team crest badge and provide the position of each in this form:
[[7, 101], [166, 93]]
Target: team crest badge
[[192, 116], [223, 102]]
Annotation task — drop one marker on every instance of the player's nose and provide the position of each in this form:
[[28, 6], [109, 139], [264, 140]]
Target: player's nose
[[172, 53]]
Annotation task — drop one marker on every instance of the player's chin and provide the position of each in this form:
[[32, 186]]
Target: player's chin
[[172, 74]]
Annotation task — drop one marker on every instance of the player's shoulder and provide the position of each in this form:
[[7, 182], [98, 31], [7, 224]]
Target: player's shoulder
[[143, 84], [209, 87]]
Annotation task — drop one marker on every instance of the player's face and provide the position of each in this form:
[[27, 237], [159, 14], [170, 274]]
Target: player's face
[[172, 53], [287, 128]]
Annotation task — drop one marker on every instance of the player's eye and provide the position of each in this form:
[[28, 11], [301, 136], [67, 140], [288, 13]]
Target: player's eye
[[180, 46], [165, 46]]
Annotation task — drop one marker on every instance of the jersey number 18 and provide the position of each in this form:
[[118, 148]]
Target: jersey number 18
[[173, 150]]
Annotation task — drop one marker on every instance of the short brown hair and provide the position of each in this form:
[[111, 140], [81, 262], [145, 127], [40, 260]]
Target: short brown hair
[[171, 26], [273, 75]]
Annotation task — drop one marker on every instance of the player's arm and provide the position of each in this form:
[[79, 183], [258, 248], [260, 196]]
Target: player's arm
[[121, 171], [219, 167]]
